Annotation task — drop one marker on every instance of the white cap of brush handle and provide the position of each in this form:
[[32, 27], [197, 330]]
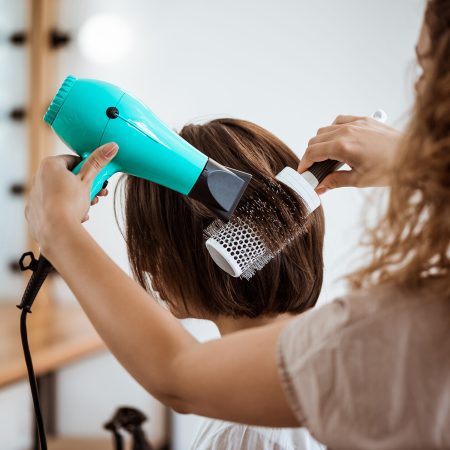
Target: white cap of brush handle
[[380, 115], [222, 257], [301, 185]]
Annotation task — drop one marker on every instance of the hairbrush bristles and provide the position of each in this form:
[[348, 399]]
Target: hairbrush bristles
[[258, 231], [241, 243]]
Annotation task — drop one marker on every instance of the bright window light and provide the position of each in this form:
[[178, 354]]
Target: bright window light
[[104, 38]]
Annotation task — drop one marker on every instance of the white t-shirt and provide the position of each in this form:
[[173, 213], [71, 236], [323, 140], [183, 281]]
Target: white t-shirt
[[220, 435]]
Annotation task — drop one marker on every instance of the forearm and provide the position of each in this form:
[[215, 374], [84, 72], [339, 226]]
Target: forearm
[[233, 378], [142, 335]]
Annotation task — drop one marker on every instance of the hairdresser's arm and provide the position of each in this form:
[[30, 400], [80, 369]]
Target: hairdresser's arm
[[234, 378], [363, 143]]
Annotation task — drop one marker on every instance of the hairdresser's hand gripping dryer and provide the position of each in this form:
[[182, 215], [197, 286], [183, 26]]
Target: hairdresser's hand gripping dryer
[[88, 113]]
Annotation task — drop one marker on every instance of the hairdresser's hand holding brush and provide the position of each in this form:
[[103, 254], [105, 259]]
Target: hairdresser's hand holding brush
[[365, 144]]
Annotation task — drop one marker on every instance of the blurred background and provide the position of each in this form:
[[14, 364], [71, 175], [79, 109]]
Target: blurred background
[[288, 65]]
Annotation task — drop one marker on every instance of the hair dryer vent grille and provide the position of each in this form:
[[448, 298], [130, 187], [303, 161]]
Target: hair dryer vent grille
[[59, 99]]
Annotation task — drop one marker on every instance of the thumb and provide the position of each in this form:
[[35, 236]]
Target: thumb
[[97, 160], [340, 178]]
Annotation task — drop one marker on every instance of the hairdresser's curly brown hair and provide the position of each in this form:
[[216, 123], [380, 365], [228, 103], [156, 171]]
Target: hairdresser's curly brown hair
[[411, 243]]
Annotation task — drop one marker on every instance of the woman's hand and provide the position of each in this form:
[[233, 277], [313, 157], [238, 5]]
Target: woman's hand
[[58, 198], [363, 143], [102, 193]]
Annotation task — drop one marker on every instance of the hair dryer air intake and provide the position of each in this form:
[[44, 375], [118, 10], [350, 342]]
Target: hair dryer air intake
[[88, 113]]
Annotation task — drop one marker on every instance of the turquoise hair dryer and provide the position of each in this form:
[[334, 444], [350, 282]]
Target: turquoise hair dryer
[[88, 113]]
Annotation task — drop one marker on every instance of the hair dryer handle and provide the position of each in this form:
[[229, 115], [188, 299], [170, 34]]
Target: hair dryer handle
[[107, 172]]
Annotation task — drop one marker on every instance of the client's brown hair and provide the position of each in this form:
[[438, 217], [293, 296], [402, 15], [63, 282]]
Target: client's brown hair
[[164, 234]]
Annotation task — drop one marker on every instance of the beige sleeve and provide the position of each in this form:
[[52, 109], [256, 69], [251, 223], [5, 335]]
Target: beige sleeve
[[371, 371], [306, 364], [325, 372]]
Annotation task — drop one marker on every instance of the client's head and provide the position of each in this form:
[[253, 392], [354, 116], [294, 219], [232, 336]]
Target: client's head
[[164, 234]]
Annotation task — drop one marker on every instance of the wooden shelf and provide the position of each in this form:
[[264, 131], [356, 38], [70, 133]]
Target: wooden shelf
[[80, 444], [58, 335]]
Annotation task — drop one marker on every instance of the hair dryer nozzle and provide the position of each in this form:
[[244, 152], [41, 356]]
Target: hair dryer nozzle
[[220, 188]]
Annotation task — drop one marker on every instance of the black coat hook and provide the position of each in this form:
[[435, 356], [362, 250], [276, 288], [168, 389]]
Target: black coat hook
[[18, 38], [59, 39], [17, 189], [17, 114], [14, 267]]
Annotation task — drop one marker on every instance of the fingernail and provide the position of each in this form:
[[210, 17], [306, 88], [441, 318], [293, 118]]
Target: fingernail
[[321, 191], [110, 150]]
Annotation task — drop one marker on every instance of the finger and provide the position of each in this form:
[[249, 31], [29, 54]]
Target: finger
[[328, 129], [85, 218], [324, 137], [103, 193], [94, 201], [97, 160], [321, 191], [321, 152], [69, 161], [346, 119], [340, 178]]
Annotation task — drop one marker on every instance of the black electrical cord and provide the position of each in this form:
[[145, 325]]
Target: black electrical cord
[[32, 379], [40, 268]]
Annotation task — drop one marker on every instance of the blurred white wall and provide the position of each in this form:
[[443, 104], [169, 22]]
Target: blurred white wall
[[16, 421], [89, 392], [13, 143], [290, 66]]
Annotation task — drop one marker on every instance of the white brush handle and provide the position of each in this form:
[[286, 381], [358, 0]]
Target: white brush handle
[[301, 185]]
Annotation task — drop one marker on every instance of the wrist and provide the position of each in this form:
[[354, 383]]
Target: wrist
[[56, 234]]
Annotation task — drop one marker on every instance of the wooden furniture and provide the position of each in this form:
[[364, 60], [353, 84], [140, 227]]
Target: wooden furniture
[[58, 334], [80, 444], [41, 83]]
